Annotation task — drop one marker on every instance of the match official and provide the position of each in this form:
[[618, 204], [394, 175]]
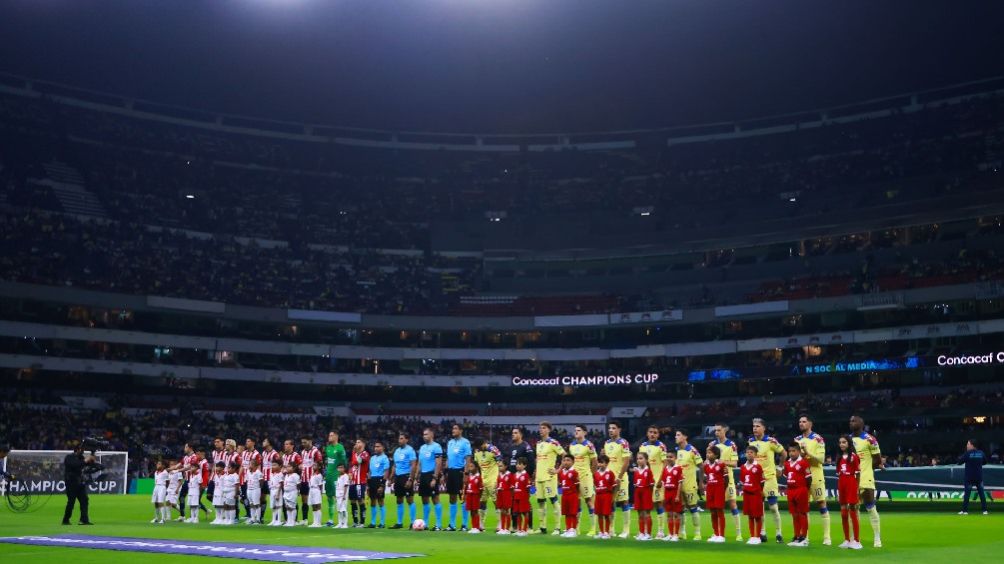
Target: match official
[[458, 453]]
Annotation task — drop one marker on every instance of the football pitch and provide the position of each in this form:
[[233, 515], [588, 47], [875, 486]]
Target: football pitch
[[917, 536]]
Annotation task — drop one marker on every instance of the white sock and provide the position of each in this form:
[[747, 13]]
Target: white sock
[[542, 515], [195, 513], [873, 518], [343, 517], [317, 516], [291, 516], [627, 521], [738, 523], [683, 526], [825, 517], [594, 520], [776, 513], [695, 519]]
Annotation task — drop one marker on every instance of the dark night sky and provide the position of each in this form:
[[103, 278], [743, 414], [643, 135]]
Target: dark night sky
[[503, 65]]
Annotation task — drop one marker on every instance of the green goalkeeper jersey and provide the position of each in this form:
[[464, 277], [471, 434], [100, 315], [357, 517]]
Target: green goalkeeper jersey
[[333, 456]]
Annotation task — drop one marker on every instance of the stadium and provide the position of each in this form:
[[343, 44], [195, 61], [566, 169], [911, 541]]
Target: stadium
[[449, 281]]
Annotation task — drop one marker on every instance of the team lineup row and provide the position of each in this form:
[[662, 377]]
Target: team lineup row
[[661, 484]]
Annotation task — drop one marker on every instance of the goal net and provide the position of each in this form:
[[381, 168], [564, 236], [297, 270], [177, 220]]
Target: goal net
[[41, 472]]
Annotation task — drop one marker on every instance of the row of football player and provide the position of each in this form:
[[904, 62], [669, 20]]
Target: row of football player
[[512, 494]]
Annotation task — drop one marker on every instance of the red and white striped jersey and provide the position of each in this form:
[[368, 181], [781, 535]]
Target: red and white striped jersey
[[359, 467], [293, 459], [219, 456], [246, 457], [229, 457], [267, 456], [308, 458], [190, 464]]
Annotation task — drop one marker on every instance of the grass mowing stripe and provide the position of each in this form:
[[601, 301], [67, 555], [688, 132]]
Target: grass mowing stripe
[[923, 536]]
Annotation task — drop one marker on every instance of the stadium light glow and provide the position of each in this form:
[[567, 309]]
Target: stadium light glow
[[190, 196]]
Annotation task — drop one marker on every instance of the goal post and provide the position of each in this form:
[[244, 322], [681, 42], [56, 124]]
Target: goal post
[[41, 472]]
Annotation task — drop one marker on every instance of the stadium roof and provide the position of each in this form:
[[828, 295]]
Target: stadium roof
[[504, 66]]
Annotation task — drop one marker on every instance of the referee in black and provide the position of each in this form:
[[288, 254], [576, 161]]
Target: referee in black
[[522, 449], [76, 488]]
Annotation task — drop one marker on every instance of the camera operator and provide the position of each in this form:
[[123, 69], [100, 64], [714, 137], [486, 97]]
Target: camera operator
[[75, 465]]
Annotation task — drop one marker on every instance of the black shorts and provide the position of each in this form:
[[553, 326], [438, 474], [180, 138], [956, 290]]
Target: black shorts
[[264, 488], [425, 487], [304, 488], [376, 488], [401, 488], [210, 489], [357, 492], [454, 481]]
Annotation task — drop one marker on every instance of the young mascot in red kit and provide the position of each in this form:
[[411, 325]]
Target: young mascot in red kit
[[503, 498], [798, 476], [716, 479], [604, 482], [568, 481], [751, 480], [848, 473], [472, 495], [644, 484]]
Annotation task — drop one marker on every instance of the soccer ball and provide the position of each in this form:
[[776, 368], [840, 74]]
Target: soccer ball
[[418, 525]]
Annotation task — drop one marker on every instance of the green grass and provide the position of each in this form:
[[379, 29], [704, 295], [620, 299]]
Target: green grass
[[907, 535]]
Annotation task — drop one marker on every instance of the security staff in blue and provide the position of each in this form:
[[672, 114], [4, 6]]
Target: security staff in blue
[[458, 452], [430, 466], [405, 473], [974, 459], [376, 484]]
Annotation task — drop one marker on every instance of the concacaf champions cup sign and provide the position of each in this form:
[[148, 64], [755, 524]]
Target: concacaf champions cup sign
[[42, 472]]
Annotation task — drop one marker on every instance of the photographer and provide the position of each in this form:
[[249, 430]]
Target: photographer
[[75, 466]]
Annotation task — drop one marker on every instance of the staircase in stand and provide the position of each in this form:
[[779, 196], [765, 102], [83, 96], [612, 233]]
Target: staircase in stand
[[67, 184]]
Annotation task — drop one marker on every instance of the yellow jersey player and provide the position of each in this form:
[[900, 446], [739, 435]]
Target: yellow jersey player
[[656, 451], [814, 450], [585, 464], [487, 457], [730, 458], [619, 452], [867, 449], [549, 453], [689, 459], [767, 450]]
